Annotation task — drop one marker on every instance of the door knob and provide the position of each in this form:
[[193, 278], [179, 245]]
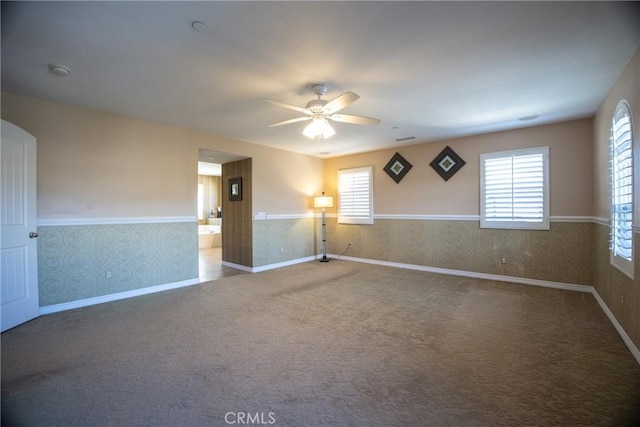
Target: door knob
[[33, 235]]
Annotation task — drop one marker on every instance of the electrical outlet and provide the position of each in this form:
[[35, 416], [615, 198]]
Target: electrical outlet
[[349, 246], [281, 250], [503, 260], [622, 299], [107, 274]]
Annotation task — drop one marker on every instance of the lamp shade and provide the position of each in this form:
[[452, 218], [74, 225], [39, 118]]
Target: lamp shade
[[323, 201]]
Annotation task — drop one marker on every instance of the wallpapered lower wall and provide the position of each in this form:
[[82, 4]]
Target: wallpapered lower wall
[[562, 254], [619, 292], [281, 240], [73, 260]]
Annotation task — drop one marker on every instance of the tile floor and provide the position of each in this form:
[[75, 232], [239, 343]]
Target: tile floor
[[211, 268]]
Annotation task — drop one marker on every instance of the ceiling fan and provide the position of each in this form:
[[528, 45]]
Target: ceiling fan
[[319, 110]]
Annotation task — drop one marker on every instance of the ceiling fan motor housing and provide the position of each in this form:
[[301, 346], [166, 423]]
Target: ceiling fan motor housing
[[319, 89], [316, 106]]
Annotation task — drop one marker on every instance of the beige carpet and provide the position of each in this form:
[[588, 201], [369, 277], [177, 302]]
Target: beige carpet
[[342, 344]]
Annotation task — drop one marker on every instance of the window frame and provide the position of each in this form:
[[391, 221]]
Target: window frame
[[350, 218], [543, 224], [625, 265]]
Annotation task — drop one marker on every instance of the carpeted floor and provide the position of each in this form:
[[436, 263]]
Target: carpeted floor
[[342, 344]]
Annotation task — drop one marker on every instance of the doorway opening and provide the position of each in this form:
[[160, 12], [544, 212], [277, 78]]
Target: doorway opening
[[209, 220], [210, 215]]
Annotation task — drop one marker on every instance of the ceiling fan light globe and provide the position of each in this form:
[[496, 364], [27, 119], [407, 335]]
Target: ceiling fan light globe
[[328, 131], [319, 128]]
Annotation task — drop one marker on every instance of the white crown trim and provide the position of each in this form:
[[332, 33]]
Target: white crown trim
[[47, 222]]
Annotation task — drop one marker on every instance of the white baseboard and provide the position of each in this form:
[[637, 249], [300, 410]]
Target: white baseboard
[[283, 264], [237, 266], [473, 274], [270, 266], [511, 279], [114, 297], [623, 334], [521, 280]]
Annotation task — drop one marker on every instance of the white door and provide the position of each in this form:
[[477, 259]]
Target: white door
[[19, 266]]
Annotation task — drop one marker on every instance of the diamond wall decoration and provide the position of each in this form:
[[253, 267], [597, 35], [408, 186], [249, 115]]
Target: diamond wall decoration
[[447, 163], [397, 167]]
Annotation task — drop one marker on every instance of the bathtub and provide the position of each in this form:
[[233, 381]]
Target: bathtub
[[209, 236]]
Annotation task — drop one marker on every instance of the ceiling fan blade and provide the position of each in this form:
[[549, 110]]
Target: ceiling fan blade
[[340, 102], [286, 122], [356, 120], [289, 106]]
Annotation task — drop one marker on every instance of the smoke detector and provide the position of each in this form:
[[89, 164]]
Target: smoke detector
[[59, 70]]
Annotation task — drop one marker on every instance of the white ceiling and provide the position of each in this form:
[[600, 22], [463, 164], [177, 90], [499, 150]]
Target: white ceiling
[[429, 70], [211, 169]]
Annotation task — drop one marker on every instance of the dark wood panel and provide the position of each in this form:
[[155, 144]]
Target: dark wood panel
[[237, 221]]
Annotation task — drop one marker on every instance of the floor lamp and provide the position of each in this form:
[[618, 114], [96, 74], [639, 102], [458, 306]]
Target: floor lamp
[[323, 202]]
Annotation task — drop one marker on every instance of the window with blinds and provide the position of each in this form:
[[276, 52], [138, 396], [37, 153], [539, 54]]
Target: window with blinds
[[622, 190], [355, 196], [514, 189]]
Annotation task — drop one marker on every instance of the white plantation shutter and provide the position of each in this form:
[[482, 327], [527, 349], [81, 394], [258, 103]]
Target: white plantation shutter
[[514, 189], [622, 190], [355, 196]]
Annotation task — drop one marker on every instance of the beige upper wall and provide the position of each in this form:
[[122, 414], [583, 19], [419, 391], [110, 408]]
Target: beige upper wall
[[93, 164], [423, 192], [627, 87]]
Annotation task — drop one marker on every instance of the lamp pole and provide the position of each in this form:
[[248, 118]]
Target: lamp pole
[[323, 202], [324, 237]]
